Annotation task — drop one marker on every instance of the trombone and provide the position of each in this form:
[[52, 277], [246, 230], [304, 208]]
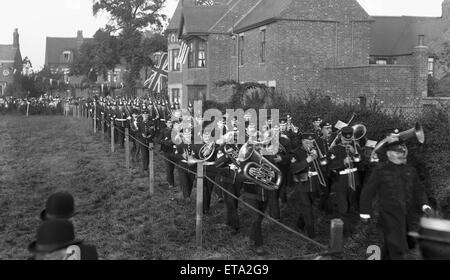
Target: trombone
[[318, 163]]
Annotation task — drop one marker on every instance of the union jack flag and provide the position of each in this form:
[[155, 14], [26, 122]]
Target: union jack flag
[[184, 50], [155, 82]]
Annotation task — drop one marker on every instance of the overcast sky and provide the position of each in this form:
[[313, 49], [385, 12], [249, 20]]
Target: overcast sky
[[37, 19]]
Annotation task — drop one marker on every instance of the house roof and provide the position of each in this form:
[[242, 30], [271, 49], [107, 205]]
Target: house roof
[[55, 46], [200, 19], [263, 11], [399, 35], [7, 52]]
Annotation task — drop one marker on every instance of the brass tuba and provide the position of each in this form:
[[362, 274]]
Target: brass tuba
[[259, 169], [207, 151]]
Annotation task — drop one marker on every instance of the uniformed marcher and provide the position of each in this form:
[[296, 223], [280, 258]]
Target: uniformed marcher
[[343, 168], [168, 148], [306, 180], [401, 198], [146, 136]]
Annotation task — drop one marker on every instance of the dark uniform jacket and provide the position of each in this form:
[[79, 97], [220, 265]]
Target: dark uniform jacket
[[303, 172], [336, 157], [401, 196]]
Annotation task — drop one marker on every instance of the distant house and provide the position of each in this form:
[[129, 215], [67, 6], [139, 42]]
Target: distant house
[[60, 52], [10, 62]]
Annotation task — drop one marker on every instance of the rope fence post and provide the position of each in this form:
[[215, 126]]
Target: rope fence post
[[28, 107], [151, 168], [73, 111], [103, 127], [95, 118], [337, 236], [199, 210], [112, 136], [127, 149]]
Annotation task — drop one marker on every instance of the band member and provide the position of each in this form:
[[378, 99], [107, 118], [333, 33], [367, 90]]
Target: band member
[[401, 198], [134, 132], [316, 126], [121, 123], [343, 169], [184, 152], [168, 148], [306, 179], [147, 134], [324, 142]]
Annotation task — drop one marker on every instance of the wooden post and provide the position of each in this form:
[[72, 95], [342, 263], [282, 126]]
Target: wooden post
[[73, 111], [127, 149], [151, 168], [103, 127], [112, 137], [28, 107], [337, 236], [95, 118], [199, 211]]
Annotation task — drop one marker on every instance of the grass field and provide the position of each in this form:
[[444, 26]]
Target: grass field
[[43, 154]]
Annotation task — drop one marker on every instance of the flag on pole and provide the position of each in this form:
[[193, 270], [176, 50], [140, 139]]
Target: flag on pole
[[155, 82], [184, 50]]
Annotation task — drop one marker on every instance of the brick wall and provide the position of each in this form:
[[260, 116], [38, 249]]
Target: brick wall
[[392, 86]]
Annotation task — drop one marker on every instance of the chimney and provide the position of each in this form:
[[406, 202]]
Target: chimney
[[16, 38], [80, 39], [446, 9]]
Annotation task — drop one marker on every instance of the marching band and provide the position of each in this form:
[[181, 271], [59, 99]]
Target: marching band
[[329, 166]]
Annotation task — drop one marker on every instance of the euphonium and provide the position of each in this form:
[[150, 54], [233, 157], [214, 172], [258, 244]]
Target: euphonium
[[259, 169], [207, 151]]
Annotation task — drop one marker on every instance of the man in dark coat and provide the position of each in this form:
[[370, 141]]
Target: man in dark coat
[[168, 148], [306, 181], [401, 196]]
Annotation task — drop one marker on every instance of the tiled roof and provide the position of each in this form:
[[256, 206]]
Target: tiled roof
[[399, 35], [200, 19], [7, 52], [55, 46]]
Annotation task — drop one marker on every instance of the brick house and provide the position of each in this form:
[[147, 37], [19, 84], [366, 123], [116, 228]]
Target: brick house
[[10, 62], [295, 45], [60, 52]]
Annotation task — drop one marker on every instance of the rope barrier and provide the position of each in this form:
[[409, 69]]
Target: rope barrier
[[305, 238]]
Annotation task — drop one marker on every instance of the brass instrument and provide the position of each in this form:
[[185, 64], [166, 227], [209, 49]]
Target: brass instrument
[[341, 125], [259, 169], [359, 132], [318, 165], [415, 132], [350, 169], [206, 152]]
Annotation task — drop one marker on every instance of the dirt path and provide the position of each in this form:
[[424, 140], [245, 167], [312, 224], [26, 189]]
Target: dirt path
[[41, 155]]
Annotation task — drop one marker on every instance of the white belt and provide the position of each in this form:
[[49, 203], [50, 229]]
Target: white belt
[[348, 171], [312, 174], [121, 120]]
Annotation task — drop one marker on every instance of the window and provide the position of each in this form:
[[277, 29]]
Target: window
[[196, 93], [175, 95], [116, 75], [381, 62], [201, 57], [431, 66], [66, 56], [262, 40], [191, 55], [175, 66], [197, 54], [233, 46], [241, 50]]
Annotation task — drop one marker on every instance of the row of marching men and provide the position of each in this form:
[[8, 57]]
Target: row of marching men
[[325, 167], [322, 166]]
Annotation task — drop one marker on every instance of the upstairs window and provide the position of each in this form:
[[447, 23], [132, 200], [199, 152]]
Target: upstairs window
[[262, 40], [175, 66], [431, 66], [197, 54], [241, 50], [66, 56]]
